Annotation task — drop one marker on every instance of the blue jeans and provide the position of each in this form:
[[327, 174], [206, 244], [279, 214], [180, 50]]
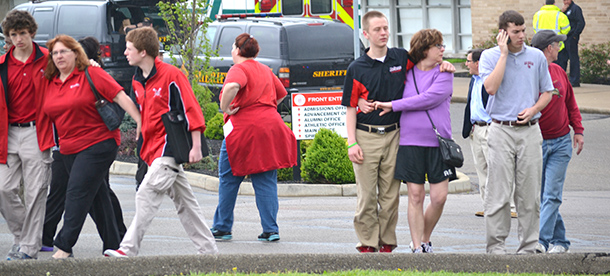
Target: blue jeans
[[265, 191], [556, 154]]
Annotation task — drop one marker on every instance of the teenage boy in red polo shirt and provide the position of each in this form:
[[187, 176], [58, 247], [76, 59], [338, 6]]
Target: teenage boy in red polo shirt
[[24, 145], [153, 84]]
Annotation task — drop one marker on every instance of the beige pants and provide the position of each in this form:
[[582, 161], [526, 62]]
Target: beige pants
[[377, 190], [165, 177], [515, 162], [25, 162], [478, 145]]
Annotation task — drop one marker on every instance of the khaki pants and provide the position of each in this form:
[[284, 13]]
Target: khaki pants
[[378, 192], [165, 177], [478, 144], [25, 162], [515, 159]]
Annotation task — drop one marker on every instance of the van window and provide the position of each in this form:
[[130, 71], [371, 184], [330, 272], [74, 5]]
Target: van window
[[78, 21], [292, 7], [44, 19], [227, 38], [268, 41], [321, 6], [307, 42]]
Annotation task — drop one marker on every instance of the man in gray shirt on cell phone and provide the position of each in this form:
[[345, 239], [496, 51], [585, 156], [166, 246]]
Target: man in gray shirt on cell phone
[[517, 79]]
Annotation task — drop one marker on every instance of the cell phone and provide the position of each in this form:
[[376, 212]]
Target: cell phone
[[508, 41]]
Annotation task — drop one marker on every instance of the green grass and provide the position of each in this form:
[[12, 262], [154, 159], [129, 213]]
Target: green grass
[[397, 272], [456, 60]]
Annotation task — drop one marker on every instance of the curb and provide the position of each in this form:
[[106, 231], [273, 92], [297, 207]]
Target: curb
[[210, 183], [571, 263]]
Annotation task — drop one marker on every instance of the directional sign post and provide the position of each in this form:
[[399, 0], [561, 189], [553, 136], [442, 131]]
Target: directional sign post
[[312, 111]]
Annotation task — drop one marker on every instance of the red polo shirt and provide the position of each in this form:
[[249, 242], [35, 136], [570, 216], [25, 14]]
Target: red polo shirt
[[71, 107], [21, 92]]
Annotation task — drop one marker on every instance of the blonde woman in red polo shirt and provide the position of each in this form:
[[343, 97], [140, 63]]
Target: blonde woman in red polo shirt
[[88, 146]]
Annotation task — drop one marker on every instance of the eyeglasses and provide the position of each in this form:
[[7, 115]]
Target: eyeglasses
[[60, 52], [440, 46]]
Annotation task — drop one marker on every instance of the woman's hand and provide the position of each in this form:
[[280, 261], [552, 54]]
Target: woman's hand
[[385, 106], [229, 91], [231, 110]]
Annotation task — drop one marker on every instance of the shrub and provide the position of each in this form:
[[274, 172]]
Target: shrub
[[128, 142], [208, 163], [593, 67], [285, 174], [326, 160], [213, 129]]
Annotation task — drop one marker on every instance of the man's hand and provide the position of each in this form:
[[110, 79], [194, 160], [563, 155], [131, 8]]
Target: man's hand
[[502, 39], [579, 141], [195, 154], [94, 63], [355, 154], [526, 115], [385, 106], [365, 106]]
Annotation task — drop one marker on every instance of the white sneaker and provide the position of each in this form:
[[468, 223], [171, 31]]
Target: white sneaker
[[415, 250], [114, 253], [13, 252], [540, 249], [558, 249]]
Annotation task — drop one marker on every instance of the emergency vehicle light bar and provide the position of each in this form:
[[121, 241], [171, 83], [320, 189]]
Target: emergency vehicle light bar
[[244, 15]]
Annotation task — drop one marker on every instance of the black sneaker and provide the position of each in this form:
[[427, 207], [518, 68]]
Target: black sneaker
[[221, 235], [269, 236]]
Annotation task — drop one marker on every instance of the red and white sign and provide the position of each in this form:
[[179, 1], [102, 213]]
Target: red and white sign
[[312, 111]]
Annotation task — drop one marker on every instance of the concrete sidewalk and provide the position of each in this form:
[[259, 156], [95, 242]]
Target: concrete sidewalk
[[591, 98], [588, 263]]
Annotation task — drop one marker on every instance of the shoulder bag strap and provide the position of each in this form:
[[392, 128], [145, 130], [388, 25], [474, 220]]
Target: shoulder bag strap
[[416, 89], [97, 95]]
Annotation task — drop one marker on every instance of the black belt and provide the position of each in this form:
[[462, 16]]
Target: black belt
[[515, 123], [481, 123], [28, 124], [378, 130]]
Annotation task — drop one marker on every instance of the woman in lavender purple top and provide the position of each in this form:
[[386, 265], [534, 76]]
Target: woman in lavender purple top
[[419, 154]]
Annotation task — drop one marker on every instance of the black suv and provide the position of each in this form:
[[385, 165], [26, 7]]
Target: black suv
[[307, 54], [102, 19]]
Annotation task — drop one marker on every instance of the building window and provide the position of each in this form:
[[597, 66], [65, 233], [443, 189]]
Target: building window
[[451, 17]]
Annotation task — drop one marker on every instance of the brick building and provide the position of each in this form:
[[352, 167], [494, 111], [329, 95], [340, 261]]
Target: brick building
[[467, 22], [485, 15]]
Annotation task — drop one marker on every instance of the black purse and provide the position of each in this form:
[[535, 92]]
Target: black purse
[[451, 152], [112, 114], [178, 136]]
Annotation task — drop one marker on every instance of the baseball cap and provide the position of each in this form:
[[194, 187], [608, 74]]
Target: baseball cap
[[147, 21], [544, 38]]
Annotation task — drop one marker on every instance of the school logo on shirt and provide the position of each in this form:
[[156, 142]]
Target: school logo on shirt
[[395, 69], [529, 64], [157, 92], [74, 86]]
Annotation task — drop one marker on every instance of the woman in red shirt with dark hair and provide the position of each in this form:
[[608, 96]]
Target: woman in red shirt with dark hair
[[257, 142], [88, 146]]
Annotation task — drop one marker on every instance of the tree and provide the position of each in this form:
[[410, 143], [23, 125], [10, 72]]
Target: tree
[[188, 45]]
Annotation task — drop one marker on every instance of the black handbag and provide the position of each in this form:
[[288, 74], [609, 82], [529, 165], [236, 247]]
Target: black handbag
[[178, 136], [451, 152], [112, 114]]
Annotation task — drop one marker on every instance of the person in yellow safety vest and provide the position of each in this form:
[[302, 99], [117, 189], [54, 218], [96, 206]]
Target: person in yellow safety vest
[[550, 17]]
